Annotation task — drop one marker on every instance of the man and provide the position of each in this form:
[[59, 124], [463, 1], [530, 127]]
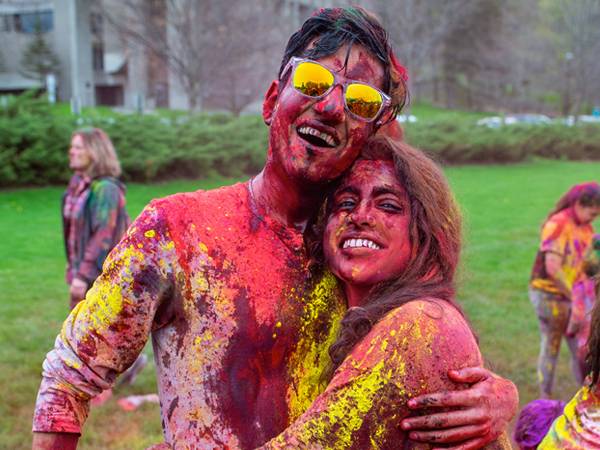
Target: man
[[221, 278]]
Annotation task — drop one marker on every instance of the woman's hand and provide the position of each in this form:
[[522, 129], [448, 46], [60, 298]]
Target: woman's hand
[[480, 413], [78, 289]]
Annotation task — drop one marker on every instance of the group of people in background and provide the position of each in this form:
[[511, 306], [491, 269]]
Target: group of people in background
[[355, 326]]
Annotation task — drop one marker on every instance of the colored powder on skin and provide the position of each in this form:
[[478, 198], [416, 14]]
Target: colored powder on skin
[[310, 358], [345, 416], [365, 376]]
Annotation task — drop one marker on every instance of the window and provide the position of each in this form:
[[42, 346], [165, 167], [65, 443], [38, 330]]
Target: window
[[96, 23], [6, 22], [98, 56], [28, 23]]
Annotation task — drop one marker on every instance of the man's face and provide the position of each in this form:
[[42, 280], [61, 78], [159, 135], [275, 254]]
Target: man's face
[[317, 139]]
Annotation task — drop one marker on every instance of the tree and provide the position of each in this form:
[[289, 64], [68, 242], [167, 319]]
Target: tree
[[577, 45], [418, 30], [38, 59], [218, 51]]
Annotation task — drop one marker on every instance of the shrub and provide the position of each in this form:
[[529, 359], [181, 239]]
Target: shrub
[[462, 141], [34, 140]]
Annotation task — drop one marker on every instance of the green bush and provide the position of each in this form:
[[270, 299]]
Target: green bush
[[34, 140], [461, 141]]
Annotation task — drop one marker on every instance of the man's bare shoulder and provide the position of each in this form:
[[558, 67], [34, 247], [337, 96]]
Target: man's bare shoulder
[[202, 197]]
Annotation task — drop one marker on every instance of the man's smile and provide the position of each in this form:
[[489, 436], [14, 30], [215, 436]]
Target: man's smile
[[318, 136]]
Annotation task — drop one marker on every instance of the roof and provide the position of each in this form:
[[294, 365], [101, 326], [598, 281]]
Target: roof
[[28, 6], [16, 81]]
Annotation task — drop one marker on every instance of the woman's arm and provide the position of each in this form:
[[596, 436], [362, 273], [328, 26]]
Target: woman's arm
[[553, 264], [406, 354]]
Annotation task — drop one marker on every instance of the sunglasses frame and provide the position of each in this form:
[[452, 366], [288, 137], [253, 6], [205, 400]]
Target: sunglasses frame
[[338, 80]]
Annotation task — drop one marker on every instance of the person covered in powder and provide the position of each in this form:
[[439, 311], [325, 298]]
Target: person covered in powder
[[583, 298], [221, 279], [549, 424], [391, 233], [566, 235]]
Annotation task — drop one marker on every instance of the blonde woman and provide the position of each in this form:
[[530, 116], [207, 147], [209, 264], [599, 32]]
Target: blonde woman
[[93, 209]]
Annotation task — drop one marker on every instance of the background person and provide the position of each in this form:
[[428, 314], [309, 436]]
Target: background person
[[582, 299], [93, 209], [566, 235]]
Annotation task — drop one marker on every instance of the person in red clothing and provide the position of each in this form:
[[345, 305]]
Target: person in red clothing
[[391, 234], [566, 236], [221, 279]]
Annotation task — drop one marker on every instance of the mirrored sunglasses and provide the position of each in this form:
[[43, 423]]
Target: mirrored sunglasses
[[314, 80]]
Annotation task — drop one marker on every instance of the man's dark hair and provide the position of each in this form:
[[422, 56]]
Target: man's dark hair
[[331, 28]]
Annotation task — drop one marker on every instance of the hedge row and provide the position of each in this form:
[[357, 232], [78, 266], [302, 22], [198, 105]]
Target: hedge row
[[34, 138], [462, 141], [34, 141]]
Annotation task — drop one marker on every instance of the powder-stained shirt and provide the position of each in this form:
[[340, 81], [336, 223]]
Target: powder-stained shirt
[[578, 428], [563, 236], [240, 331]]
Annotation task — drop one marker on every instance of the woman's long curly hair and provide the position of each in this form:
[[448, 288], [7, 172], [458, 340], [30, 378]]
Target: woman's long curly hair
[[435, 236]]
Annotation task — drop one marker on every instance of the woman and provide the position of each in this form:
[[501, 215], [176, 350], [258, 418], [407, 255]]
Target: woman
[[566, 236], [392, 236], [93, 209]]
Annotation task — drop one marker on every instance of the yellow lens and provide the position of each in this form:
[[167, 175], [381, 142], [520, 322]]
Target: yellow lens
[[363, 100], [312, 79]]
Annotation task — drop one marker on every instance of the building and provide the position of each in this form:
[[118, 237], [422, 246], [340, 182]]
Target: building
[[104, 64]]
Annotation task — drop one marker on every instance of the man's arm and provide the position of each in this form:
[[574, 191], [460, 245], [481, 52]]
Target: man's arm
[[479, 416], [55, 441], [104, 334], [406, 354]]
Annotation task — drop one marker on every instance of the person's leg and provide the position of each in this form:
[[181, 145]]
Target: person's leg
[[578, 366], [553, 317]]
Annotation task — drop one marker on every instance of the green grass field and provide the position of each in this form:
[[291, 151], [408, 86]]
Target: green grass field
[[503, 208]]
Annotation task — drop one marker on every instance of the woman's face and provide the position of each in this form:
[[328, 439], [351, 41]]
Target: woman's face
[[586, 214], [80, 158], [367, 236]]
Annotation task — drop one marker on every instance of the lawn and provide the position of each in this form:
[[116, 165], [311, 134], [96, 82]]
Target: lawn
[[503, 208]]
